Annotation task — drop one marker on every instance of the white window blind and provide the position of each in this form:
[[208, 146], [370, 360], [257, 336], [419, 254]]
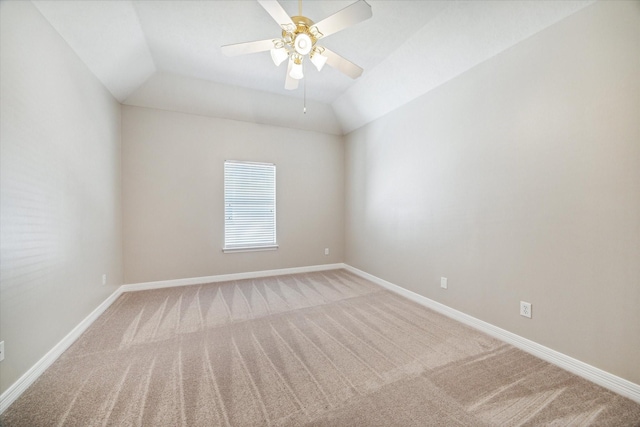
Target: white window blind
[[249, 206]]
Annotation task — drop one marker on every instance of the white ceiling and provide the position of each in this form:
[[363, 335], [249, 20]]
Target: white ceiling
[[406, 49]]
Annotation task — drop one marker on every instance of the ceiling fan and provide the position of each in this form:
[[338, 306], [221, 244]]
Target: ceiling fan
[[299, 37]]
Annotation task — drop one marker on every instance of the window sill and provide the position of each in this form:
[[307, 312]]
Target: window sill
[[250, 249]]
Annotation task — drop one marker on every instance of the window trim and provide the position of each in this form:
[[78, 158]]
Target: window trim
[[257, 247]]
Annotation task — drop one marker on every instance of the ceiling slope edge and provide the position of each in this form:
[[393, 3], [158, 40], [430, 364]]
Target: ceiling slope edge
[[475, 31], [201, 97], [107, 37]]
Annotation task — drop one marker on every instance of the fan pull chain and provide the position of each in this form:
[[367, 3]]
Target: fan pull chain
[[304, 105]]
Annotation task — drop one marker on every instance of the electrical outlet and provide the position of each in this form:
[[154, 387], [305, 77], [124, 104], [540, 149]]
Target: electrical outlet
[[525, 309], [326, 251], [1, 351], [443, 283], [104, 279]]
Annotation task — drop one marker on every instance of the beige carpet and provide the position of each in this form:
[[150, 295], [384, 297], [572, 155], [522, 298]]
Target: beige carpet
[[325, 348]]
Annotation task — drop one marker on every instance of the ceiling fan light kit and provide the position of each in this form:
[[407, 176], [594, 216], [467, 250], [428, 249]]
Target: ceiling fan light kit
[[297, 41], [299, 37]]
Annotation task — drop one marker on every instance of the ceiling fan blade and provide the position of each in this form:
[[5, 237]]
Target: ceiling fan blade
[[248, 47], [276, 11], [343, 65], [350, 15], [290, 83]]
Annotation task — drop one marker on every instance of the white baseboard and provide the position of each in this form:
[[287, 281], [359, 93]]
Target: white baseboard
[[227, 277], [605, 379], [29, 377]]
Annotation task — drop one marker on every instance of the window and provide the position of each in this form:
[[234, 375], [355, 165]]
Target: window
[[249, 206]]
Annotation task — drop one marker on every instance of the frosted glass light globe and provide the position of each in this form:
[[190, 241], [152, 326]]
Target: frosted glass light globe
[[296, 71]]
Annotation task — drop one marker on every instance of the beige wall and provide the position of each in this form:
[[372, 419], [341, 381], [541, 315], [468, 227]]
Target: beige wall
[[518, 180], [59, 189], [173, 194]]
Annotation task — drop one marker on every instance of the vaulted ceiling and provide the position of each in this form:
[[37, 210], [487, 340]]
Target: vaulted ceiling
[[166, 54]]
